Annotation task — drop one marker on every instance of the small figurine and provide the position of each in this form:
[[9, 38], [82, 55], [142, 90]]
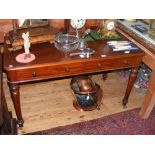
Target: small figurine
[[25, 36], [25, 57]]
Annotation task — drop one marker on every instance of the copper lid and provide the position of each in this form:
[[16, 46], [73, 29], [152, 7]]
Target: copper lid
[[83, 85]]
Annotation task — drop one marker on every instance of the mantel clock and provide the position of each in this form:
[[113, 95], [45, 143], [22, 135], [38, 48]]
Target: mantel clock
[[71, 25], [106, 28]]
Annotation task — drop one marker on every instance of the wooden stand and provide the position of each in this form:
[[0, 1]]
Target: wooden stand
[[7, 123], [149, 60]]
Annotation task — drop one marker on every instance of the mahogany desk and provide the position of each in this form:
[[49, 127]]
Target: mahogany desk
[[51, 63]]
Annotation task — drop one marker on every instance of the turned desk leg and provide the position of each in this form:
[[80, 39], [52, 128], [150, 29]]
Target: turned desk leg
[[131, 81], [15, 95], [149, 100]]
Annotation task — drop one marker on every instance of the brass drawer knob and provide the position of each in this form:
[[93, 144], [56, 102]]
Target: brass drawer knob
[[34, 74], [67, 69]]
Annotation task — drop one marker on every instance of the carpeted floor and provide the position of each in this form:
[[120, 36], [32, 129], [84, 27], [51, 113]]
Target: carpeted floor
[[124, 123]]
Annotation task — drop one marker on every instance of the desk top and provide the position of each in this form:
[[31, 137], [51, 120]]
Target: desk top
[[46, 53]]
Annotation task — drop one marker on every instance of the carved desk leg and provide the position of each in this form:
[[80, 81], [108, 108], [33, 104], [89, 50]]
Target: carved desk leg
[[15, 95], [131, 81]]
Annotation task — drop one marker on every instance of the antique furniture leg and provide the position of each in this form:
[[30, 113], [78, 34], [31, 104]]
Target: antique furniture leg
[[15, 95], [131, 81], [149, 100], [9, 125]]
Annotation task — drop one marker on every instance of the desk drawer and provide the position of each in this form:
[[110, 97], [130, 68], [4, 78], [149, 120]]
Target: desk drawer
[[46, 72], [111, 64]]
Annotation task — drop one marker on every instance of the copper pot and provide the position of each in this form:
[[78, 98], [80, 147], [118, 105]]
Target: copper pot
[[88, 95]]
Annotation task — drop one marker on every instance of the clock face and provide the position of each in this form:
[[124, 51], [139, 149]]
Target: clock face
[[110, 25], [77, 23]]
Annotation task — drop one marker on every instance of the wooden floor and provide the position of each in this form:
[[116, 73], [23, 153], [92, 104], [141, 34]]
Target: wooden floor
[[49, 104]]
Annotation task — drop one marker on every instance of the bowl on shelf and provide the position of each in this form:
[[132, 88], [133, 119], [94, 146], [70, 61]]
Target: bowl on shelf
[[66, 42]]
